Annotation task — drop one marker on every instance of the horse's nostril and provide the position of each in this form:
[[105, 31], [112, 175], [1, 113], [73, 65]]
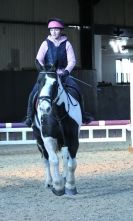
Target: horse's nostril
[[48, 109]]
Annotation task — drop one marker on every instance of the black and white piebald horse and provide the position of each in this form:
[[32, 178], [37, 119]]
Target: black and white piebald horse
[[56, 127]]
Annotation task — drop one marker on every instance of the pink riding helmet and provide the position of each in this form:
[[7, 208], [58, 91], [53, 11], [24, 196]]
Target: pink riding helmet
[[55, 23]]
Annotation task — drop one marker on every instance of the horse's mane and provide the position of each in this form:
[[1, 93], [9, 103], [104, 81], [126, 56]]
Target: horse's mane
[[41, 83]]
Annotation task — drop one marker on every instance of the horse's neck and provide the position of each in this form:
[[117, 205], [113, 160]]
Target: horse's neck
[[62, 95], [66, 98]]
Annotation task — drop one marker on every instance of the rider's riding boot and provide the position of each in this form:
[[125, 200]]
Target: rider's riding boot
[[30, 113], [86, 117], [28, 121]]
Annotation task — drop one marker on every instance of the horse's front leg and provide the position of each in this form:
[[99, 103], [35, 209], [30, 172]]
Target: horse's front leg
[[58, 182], [65, 157], [70, 187], [44, 153], [48, 181]]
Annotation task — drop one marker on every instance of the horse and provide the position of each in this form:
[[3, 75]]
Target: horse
[[56, 127]]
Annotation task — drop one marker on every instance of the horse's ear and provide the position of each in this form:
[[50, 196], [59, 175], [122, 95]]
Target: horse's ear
[[52, 68]]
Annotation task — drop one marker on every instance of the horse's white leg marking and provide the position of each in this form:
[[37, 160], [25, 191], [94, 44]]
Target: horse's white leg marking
[[70, 180], [48, 181], [47, 168], [65, 156], [51, 146]]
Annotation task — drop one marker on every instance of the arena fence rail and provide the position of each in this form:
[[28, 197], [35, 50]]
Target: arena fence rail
[[96, 131]]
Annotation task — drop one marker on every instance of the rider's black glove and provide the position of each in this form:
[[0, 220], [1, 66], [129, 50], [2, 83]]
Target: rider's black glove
[[64, 76], [39, 67]]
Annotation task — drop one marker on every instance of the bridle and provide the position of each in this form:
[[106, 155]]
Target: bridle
[[45, 98], [56, 99], [50, 99]]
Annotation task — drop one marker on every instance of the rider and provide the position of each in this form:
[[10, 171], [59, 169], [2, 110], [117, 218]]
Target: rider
[[55, 51]]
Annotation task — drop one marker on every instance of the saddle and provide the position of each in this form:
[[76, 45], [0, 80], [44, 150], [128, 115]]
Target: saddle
[[73, 91]]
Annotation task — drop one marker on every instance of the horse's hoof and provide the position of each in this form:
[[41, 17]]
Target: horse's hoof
[[58, 192], [71, 191]]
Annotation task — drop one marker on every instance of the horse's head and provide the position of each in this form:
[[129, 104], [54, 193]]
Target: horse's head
[[48, 91]]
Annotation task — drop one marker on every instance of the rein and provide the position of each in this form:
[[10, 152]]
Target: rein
[[45, 98], [89, 85], [57, 98]]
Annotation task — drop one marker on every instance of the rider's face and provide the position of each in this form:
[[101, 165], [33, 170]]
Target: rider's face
[[55, 32]]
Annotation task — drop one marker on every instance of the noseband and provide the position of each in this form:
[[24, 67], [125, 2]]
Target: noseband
[[52, 100], [49, 99], [45, 98]]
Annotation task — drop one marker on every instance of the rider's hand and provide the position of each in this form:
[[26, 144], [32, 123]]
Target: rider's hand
[[64, 75]]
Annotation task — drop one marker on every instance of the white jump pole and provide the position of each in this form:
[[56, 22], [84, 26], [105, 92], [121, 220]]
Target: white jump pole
[[131, 105]]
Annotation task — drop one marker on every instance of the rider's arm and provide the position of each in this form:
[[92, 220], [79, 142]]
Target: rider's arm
[[41, 53], [71, 60], [39, 67]]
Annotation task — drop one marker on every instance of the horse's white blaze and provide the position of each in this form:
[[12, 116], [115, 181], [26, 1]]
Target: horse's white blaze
[[46, 90]]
